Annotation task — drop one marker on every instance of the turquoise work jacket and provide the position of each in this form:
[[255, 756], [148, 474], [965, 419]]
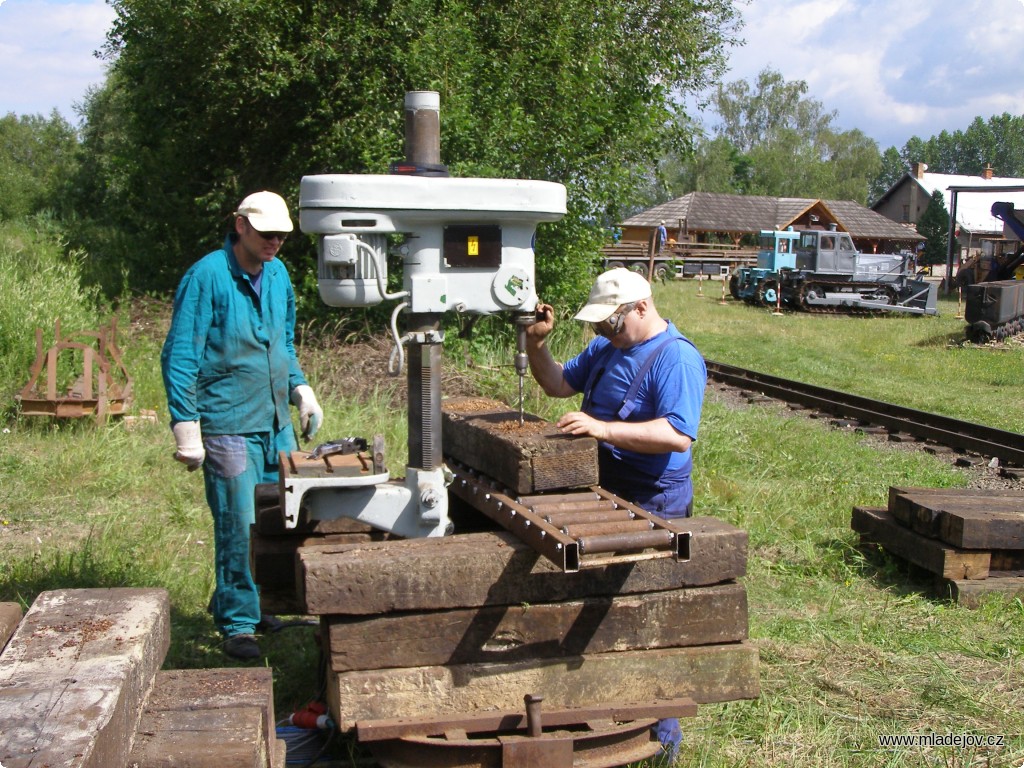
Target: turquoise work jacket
[[229, 358]]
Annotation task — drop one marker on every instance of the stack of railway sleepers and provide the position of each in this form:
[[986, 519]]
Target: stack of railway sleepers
[[474, 622], [477, 621], [971, 541], [81, 687]]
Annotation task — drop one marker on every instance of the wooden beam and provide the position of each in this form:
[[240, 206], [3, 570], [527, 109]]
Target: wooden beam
[[10, 618], [876, 525], [272, 559], [208, 717], [201, 738], [485, 435], [74, 677], [496, 568], [682, 617], [706, 674], [992, 529], [964, 518], [971, 593]]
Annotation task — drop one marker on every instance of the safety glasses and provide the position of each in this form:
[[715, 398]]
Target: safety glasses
[[613, 325]]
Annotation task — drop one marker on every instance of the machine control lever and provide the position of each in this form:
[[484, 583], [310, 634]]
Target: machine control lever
[[343, 447]]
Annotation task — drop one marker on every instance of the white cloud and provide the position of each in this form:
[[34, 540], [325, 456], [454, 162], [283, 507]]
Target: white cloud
[[46, 53], [892, 68]]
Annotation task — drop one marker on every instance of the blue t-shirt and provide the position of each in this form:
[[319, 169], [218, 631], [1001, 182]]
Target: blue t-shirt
[[673, 389]]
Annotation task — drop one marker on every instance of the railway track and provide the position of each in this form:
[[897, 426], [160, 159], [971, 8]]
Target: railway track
[[932, 428]]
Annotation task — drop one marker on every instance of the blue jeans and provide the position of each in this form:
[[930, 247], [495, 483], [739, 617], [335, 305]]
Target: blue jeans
[[669, 496], [234, 465], [670, 734]]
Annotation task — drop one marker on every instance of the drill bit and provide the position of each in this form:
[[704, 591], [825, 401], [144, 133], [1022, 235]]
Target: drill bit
[[521, 361], [521, 400]]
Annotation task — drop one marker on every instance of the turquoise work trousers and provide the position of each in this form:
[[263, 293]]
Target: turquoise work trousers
[[234, 465]]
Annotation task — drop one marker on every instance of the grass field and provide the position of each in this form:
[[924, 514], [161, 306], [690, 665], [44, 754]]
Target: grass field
[[851, 646]]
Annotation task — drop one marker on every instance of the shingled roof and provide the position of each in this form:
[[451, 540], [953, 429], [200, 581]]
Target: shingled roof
[[749, 214]]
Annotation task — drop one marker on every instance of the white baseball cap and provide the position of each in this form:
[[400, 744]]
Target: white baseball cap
[[611, 290], [266, 211]]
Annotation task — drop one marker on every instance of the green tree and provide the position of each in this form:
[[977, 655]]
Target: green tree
[[715, 166], [769, 112], [848, 161], [1007, 136], [37, 158], [934, 225], [890, 171], [771, 138], [216, 98], [997, 142]]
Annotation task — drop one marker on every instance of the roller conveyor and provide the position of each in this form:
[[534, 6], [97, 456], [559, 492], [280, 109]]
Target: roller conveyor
[[587, 528]]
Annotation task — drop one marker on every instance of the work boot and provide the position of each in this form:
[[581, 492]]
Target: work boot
[[243, 647]]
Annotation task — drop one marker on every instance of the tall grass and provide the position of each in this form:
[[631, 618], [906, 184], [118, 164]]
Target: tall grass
[[39, 285]]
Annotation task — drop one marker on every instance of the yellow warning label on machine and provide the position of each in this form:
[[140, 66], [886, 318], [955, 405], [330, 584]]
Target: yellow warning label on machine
[[473, 246]]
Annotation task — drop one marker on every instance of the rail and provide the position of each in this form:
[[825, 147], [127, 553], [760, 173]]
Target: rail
[[1007, 446]]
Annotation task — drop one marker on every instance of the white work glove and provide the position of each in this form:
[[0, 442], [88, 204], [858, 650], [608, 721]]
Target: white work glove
[[311, 415], [189, 440]]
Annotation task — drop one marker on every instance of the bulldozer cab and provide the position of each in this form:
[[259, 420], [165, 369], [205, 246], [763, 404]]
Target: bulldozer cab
[[826, 252], [777, 249]]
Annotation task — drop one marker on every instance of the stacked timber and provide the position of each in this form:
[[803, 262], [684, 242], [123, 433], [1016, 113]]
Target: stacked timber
[[81, 686], [970, 541], [477, 621], [434, 629]]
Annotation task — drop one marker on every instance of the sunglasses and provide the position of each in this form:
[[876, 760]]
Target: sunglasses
[[613, 325], [282, 236]]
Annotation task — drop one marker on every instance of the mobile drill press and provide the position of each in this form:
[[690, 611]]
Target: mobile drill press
[[467, 248]]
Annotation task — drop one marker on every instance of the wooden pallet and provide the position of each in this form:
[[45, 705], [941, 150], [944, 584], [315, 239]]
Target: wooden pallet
[[971, 541], [103, 389]]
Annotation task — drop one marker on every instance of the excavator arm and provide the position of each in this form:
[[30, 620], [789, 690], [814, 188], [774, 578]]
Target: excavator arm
[[1005, 212]]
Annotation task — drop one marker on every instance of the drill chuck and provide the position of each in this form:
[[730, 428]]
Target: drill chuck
[[522, 363]]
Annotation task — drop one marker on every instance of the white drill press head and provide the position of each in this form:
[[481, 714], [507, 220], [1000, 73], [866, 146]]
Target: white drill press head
[[469, 244]]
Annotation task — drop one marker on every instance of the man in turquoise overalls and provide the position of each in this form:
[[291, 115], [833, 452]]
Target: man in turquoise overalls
[[230, 370]]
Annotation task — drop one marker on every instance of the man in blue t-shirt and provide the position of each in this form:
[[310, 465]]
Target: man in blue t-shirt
[[643, 387]]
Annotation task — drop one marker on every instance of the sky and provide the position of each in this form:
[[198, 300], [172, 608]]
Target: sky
[[891, 68]]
